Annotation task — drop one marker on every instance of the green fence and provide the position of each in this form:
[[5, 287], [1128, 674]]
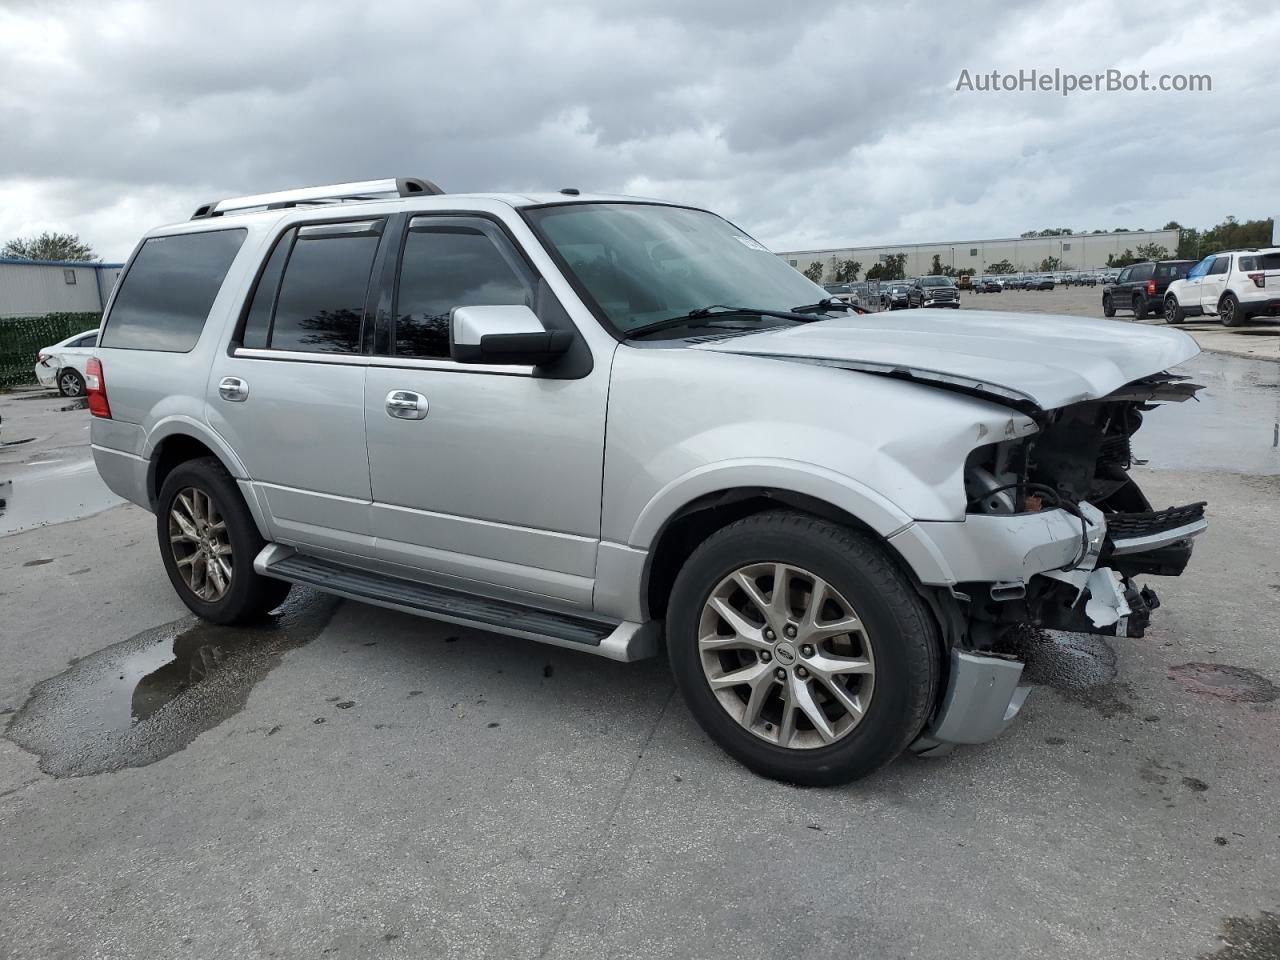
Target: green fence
[[22, 337]]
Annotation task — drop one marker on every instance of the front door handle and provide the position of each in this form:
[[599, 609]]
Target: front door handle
[[406, 405], [233, 389]]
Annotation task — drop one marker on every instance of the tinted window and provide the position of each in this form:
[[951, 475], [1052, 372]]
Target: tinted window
[[88, 341], [165, 295], [321, 301], [1143, 271], [1171, 271], [258, 320], [1264, 261], [1220, 265], [446, 266]]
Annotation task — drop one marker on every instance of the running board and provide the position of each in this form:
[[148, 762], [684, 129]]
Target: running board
[[623, 641]]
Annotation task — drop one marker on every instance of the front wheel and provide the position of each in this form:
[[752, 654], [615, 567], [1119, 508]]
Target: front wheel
[[802, 649], [1172, 311], [208, 540]]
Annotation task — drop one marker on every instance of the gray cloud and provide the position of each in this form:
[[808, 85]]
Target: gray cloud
[[810, 124]]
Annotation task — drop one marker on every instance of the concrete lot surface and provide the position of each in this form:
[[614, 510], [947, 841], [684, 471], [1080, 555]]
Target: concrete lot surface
[[352, 782]]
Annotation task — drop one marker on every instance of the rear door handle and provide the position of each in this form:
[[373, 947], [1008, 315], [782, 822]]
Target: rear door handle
[[406, 405], [233, 389]]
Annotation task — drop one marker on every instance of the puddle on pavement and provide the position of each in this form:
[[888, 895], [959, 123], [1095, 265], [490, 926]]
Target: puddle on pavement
[[53, 492], [1065, 661], [147, 697], [1248, 938], [1232, 422]]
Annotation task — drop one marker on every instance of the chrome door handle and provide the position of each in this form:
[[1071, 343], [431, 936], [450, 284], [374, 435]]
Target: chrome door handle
[[233, 389], [406, 405]]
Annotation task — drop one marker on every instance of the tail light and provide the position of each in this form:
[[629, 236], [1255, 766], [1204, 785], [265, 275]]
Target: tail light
[[1259, 279], [96, 389], [1151, 288]]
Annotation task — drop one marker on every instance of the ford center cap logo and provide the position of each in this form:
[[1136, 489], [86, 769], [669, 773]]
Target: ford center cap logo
[[785, 653]]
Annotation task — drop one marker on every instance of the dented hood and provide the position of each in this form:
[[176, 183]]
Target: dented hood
[[1049, 361]]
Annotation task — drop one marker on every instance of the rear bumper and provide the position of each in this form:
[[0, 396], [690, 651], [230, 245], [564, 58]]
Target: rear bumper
[[124, 474], [1265, 307]]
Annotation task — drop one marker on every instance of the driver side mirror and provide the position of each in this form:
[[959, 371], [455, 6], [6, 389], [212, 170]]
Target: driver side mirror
[[504, 335]]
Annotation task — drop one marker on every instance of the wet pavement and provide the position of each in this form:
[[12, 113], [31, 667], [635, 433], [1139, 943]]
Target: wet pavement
[[140, 700], [347, 781], [1230, 425]]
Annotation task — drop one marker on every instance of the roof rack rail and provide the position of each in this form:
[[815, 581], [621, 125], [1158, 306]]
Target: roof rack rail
[[333, 193]]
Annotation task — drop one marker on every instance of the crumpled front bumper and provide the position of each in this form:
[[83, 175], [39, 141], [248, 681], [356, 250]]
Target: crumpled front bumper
[[1002, 553]]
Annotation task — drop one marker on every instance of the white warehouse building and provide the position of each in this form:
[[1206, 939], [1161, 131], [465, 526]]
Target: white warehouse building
[[1077, 251], [37, 287]]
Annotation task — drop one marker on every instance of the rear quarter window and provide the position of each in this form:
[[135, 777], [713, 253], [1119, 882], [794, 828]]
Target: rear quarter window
[[1263, 261], [165, 295], [1172, 271]]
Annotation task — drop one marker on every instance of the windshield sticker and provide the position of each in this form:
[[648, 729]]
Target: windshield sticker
[[751, 244]]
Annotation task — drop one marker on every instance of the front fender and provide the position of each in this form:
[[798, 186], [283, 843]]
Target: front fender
[[877, 511]]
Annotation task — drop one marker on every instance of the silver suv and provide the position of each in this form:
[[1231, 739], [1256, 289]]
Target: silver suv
[[614, 424]]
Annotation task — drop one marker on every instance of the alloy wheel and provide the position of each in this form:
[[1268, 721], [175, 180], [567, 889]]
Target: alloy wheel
[[786, 655], [1227, 311], [200, 544], [70, 384]]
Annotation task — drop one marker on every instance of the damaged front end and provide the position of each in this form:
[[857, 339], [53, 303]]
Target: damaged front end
[[1056, 530], [1078, 462]]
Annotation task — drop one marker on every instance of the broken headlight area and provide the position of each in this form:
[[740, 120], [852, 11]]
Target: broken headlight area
[[1079, 462]]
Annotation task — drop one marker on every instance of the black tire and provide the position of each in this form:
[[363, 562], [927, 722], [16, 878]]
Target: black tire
[[1139, 307], [1108, 308], [1173, 310], [70, 383], [1230, 312], [249, 595], [900, 629]]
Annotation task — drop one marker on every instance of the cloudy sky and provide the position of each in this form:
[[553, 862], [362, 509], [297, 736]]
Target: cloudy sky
[[811, 124]]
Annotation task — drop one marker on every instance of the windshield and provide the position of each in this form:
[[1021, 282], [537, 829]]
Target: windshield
[[935, 282], [643, 262]]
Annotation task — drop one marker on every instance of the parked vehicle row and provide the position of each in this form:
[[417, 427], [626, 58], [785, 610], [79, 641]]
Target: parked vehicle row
[[556, 435], [1140, 288]]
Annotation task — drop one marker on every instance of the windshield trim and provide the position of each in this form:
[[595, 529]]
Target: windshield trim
[[584, 295]]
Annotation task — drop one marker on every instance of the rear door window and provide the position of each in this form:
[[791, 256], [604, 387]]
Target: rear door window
[[166, 294], [320, 305], [1263, 261]]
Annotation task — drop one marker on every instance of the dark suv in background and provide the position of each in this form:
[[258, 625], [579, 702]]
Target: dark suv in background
[[1141, 287], [934, 292]]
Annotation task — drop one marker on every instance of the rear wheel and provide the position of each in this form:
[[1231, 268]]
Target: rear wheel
[[1229, 311], [801, 648], [1172, 311], [1108, 308], [208, 541], [1139, 307], [70, 383]]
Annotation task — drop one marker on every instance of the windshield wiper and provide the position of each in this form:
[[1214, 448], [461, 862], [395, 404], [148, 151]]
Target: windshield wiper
[[829, 304], [716, 310]]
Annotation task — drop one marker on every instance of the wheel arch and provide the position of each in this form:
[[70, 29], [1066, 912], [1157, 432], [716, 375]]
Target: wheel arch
[[698, 514], [180, 439]]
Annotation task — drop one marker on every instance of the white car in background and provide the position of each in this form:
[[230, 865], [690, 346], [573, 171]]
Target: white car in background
[[62, 365], [1233, 285]]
